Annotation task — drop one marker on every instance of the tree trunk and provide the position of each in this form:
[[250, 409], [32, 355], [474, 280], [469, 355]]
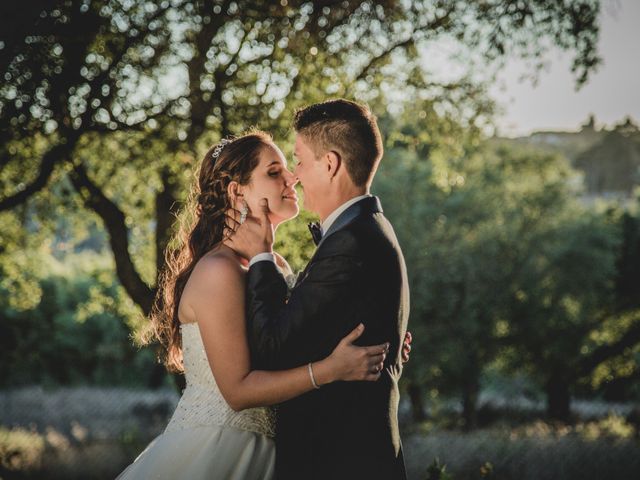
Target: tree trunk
[[558, 397], [470, 392], [417, 402]]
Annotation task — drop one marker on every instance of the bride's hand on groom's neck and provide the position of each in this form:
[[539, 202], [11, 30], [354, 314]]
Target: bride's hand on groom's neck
[[253, 234]]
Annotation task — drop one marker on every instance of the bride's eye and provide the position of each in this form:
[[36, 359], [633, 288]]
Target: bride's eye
[[274, 173]]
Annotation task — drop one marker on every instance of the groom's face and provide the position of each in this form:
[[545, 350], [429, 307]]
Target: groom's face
[[311, 172]]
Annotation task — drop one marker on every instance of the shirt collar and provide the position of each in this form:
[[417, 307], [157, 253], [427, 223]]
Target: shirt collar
[[336, 213]]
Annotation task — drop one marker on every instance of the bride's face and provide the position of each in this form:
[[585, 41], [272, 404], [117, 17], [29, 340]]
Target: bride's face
[[271, 179]]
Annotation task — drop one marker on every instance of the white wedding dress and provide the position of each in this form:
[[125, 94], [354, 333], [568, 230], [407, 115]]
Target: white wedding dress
[[205, 438]]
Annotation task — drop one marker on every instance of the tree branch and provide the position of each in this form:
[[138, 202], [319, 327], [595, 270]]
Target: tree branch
[[376, 59], [114, 221], [64, 149], [200, 107], [379, 58], [605, 352], [50, 159], [121, 126], [96, 83]]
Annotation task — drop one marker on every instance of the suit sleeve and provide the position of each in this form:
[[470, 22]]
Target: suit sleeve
[[275, 324]]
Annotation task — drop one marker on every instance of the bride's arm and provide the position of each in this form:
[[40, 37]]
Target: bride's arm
[[218, 304]]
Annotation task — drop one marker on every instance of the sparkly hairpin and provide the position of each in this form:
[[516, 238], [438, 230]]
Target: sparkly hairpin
[[216, 151]]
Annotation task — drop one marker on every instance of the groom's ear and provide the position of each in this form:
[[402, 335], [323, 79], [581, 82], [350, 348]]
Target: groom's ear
[[334, 162]]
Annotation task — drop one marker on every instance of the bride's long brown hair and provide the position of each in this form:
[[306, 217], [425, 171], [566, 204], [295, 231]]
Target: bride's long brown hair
[[201, 228]]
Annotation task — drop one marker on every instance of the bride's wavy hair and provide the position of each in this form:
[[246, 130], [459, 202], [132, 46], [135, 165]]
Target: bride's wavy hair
[[201, 228]]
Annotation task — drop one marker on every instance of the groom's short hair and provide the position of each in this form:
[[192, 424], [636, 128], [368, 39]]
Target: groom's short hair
[[349, 129]]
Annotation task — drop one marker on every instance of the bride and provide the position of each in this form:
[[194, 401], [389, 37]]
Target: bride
[[223, 427]]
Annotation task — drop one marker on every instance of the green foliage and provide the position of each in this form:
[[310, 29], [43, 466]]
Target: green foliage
[[532, 451], [104, 118], [505, 265], [95, 97], [486, 470], [608, 158], [613, 164], [436, 471], [293, 241], [78, 332]]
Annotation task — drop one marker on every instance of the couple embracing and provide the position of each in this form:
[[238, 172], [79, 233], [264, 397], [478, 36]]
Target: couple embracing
[[276, 386]]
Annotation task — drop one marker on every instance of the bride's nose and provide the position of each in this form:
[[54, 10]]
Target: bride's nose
[[290, 179]]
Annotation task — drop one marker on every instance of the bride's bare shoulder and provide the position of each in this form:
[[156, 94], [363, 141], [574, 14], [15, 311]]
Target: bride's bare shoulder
[[216, 269], [216, 276]]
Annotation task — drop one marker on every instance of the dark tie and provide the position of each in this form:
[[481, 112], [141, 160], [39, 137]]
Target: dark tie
[[316, 231]]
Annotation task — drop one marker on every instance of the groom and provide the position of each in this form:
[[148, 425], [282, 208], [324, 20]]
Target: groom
[[344, 430]]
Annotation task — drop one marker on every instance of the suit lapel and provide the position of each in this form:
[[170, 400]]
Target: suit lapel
[[365, 206], [369, 205]]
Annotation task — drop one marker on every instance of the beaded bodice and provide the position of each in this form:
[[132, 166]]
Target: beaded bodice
[[202, 403]]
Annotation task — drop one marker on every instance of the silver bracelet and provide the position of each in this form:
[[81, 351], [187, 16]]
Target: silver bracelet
[[313, 380]]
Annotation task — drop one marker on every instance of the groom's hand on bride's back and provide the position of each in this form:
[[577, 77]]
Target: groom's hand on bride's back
[[252, 236]]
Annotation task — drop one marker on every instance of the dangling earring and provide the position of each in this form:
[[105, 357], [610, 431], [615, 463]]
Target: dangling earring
[[243, 213], [244, 210]]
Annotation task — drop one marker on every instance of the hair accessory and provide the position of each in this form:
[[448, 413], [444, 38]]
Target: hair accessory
[[216, 151]]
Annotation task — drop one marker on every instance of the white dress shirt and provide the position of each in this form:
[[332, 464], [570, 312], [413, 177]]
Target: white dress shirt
[[333, 216], [325, 227]]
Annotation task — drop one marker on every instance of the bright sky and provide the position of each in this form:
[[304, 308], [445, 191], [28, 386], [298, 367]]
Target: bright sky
[[611, 93]]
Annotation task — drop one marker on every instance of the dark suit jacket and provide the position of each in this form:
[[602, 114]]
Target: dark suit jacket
[[345, 429]]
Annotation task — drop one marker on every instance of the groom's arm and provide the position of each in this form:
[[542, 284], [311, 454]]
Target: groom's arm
[[274, 325]]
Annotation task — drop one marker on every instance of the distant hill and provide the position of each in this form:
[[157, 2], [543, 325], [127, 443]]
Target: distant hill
[[609, 158]]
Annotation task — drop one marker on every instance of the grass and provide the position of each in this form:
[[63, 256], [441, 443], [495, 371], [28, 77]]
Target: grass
[[94, 433], [20, 451], [77, 433], [530, 450]]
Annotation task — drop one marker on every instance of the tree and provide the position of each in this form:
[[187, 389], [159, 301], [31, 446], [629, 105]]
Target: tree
[[504, 264], [109, 103], [74, 334], [613, 164], [561, 298]]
